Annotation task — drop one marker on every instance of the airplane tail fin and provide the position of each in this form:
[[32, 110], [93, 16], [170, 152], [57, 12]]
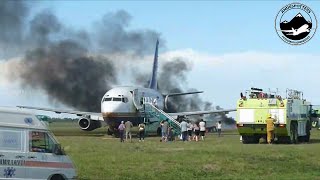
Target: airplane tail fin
[[153, 82]]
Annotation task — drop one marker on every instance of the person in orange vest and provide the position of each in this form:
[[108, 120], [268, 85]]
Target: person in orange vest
[[270, 128]]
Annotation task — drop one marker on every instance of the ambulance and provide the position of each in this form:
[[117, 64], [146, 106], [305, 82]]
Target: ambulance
[[28, 150]]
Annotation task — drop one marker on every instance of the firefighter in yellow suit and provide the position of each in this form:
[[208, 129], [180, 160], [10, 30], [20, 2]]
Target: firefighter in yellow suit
[[270, 128]]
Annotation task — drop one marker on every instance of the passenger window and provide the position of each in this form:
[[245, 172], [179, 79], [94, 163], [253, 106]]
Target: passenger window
[[11, 140], [107, 99], [40, 142], [117, 99]]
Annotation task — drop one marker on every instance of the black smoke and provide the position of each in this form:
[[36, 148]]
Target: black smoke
[[113, 37], [76, 66], [173, 79], [42, 26], [68, 75], [12, 24], [73, 66]]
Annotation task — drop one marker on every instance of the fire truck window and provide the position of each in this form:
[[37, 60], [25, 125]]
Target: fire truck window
[[40, 142]]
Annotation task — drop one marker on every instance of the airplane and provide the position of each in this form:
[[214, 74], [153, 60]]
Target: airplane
[[123, 103], [295, 32]]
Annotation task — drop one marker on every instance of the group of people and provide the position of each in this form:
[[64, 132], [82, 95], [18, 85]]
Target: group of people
[[126, 129], [192, 131], [189, 130], [167, 133]]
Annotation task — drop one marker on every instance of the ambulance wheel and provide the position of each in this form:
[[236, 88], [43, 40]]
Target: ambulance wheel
[[57, 177], [293, 133]]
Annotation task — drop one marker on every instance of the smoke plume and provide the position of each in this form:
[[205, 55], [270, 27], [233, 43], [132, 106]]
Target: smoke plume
[[57, 59], [173, 79], [113, 37], [75, 66], [12, 18], [68, 75]]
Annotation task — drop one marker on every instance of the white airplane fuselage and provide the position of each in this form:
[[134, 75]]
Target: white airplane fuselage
[[118, 104]]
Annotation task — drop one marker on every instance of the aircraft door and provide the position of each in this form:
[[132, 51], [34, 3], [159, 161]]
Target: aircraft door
[[137, 98]]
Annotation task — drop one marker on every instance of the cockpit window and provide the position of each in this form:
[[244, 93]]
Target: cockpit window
[[108, 99], [117, 99], [124, 99]]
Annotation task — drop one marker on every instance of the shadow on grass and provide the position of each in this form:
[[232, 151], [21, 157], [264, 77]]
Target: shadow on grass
[[314, 141]]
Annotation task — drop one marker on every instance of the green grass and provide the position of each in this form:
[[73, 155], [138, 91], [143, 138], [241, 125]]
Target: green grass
[[102, 157], [72, 129]]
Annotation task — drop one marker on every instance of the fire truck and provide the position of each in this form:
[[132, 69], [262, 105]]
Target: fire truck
[[292, 115]]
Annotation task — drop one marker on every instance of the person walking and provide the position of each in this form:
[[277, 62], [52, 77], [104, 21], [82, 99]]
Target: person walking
[[219, 126], [164, 130], [190, 128], [202, 125], [141, 132], [196, 131], [121, 129], [184, 131], [128, 125], [155, 102], [270, 128], [170, 134]]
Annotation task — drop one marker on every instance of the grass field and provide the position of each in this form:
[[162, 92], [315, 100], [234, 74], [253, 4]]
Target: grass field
[[97, 156]]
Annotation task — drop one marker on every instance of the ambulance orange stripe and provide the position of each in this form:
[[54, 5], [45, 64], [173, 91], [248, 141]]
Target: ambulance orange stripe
[[48, 164]]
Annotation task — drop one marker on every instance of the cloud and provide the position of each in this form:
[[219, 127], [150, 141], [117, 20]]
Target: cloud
[[248, 59], [8, 71]]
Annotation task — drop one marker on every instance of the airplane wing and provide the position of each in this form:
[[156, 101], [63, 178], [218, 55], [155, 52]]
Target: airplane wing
[[98, 116], [179, 94], [201, 112]]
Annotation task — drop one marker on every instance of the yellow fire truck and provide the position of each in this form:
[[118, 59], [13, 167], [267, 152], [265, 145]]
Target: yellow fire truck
[[291, 114]]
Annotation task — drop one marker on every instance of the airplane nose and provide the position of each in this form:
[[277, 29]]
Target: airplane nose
[[111, 109]]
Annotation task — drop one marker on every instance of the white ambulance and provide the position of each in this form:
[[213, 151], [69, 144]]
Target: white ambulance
[[28, 150]]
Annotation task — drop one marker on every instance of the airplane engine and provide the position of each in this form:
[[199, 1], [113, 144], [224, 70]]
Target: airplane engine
[[88, 124]]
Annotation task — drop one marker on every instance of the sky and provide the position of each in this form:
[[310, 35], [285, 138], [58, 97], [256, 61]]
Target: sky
[[232, 45], [211, 26]]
